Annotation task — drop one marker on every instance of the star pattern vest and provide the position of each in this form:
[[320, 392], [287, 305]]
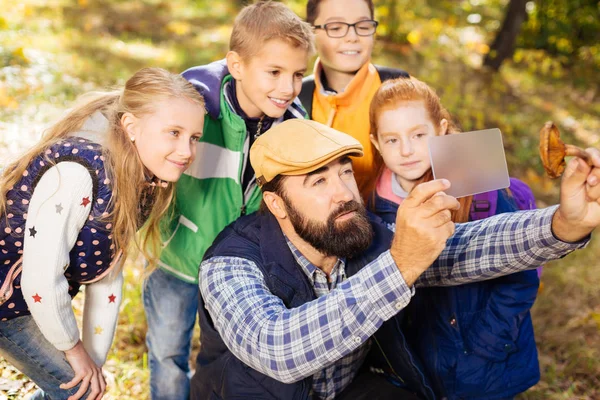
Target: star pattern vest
[[93, 254]]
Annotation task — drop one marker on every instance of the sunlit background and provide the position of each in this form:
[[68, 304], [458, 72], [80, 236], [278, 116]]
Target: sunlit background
[[52, 51]]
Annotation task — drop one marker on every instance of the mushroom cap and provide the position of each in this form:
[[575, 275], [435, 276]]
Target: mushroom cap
[[552, 150]]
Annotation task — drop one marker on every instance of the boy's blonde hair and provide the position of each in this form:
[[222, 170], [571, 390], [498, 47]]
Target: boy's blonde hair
[[140, 96], [258, 23]]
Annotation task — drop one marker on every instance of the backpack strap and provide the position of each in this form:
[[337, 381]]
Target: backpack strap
[[308, 84], [518, 196], [388, 73], [524, 200], [484, 205], [307, 93]]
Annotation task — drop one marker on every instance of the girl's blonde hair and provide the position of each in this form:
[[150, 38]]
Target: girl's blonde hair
[[139, 96], [391, 94]]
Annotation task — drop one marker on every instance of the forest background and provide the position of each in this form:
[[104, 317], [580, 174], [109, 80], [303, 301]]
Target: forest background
[[511, 64]]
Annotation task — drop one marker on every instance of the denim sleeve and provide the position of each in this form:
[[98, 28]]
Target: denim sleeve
[[291, 344], [498, 246]]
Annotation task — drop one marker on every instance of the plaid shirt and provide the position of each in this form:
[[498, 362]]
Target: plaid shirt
[[333, 379], [327, 338]]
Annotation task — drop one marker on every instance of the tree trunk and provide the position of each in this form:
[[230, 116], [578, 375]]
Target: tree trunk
[[242, 3], [393, 22], [503, 46]]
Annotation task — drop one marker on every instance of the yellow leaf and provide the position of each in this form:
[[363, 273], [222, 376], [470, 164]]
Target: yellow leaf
[[383, 11], [19, 52], [564, 44], [414, 37], [483, 48], [436, 25], [518, 57], [82, 3], [27, 11], [596, 317], [7, 101], [382, 30], [179, 28]]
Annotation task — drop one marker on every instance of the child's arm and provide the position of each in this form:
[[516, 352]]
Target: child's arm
[[57, 211], [102, 300], [56, 214]]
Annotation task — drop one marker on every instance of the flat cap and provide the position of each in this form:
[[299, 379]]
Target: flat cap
[[297, 147]]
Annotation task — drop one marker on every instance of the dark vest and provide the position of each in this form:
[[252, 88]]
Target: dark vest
[[93, 252], [258, 237]]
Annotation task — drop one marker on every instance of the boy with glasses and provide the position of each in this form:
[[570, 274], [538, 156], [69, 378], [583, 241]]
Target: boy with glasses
[[344, 81]]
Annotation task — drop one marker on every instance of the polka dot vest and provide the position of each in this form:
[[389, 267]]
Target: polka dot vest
[[93, 251]]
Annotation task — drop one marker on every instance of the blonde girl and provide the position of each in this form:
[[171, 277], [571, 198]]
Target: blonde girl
[[70, 209]]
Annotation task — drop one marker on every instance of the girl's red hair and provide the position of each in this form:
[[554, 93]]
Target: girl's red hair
[[392, 94]]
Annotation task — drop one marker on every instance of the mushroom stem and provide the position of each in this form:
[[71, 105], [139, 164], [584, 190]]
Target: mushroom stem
[[575, 151]]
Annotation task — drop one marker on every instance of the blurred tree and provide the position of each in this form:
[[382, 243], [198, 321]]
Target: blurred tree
[[392, 20], [563, 27], [504, 44], [242, 3]]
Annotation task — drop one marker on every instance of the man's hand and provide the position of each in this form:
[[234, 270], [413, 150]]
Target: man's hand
[[579, 210], [423, 224], [86, 372]]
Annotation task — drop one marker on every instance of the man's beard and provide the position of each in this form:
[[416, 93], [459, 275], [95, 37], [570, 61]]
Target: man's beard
[[340, 239]]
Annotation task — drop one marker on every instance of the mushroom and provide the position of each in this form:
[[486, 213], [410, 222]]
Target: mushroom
[[553, 151]]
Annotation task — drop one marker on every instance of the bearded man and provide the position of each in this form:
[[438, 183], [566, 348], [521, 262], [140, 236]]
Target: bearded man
[[292, 295]]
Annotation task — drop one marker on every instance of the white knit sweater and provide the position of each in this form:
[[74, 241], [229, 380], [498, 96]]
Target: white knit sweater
[[55, 217]]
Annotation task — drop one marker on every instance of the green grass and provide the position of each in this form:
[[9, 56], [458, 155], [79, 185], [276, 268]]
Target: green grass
[[52, 51]]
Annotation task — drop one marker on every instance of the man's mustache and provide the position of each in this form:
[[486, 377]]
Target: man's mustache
[[347, 207]]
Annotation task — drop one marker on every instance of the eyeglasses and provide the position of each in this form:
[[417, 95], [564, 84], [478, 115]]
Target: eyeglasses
[[340, 29]]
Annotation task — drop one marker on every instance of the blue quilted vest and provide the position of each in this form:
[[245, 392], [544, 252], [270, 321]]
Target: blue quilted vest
[[94, 252], [475, 341], [258, 237]]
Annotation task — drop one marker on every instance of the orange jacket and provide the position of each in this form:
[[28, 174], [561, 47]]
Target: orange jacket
[[348, 112]]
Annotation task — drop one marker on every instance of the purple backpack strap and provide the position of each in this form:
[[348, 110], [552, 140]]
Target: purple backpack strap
[[484, 205], [525, 200]]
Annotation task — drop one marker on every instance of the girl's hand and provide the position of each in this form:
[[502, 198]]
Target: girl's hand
[[86, 372]]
